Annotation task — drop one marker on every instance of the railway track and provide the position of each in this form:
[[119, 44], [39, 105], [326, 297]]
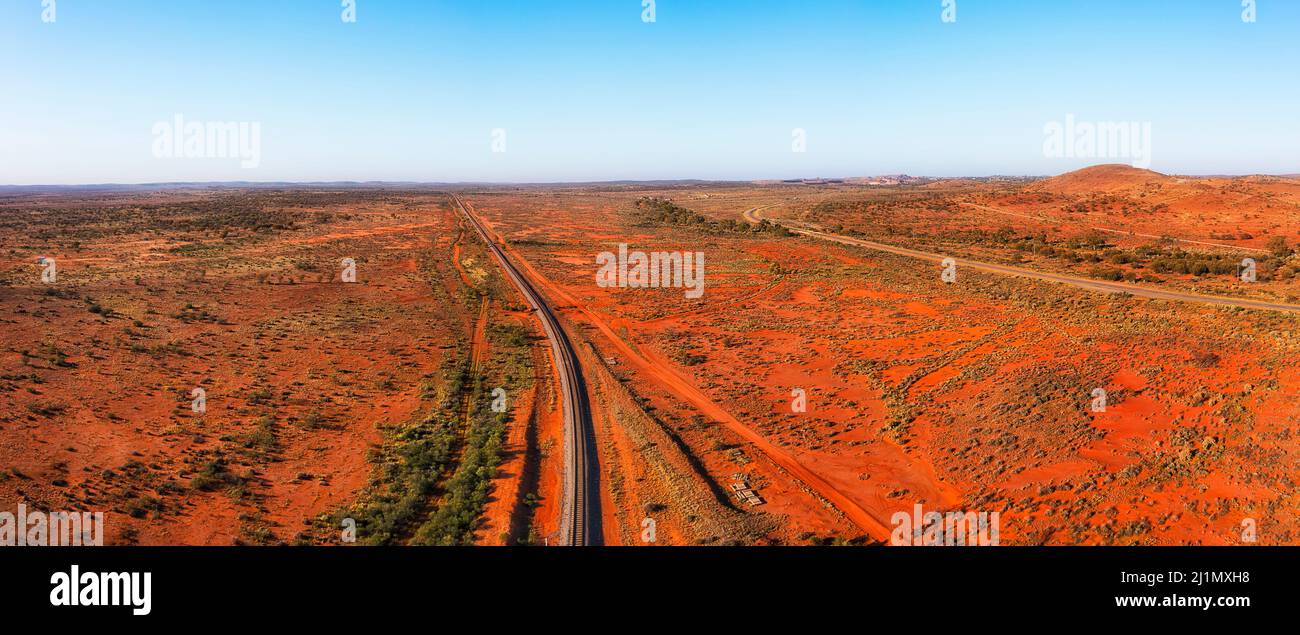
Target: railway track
[[580, 522]]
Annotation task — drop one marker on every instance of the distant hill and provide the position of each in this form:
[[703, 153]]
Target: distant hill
[[1103, 179]]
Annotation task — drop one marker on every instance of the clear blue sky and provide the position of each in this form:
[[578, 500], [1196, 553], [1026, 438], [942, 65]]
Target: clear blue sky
[[587, 91]]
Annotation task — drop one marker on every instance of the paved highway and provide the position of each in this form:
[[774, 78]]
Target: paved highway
[[1083, 283]]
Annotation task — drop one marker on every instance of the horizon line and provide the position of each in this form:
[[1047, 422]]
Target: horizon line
[[792, 180]]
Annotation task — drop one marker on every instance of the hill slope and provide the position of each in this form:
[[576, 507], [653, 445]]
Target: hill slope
[[1105, 179]]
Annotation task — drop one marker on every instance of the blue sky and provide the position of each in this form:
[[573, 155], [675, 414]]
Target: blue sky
[[585, 90]]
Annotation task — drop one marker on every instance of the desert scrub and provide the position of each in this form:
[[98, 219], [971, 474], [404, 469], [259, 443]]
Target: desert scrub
[[46, 409], [665, 212], [436, 475], [263, 439], [215, 474], [412, 460], [511, 334], [467, 491]]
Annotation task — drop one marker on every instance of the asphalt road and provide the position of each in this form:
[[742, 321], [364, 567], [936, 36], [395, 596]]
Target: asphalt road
[[1083, 283]]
